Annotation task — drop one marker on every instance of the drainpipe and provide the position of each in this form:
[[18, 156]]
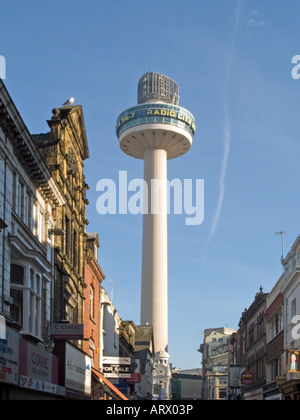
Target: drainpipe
[[4, 236]]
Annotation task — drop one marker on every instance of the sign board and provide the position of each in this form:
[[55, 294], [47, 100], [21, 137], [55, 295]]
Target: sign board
[[116, 360], [293, 361], [116, 367], [135, 376], [36, 363], [143, 112], [67, 332], [78, 370], [246, 378], [9, 355], [42, 386], [235, 372]]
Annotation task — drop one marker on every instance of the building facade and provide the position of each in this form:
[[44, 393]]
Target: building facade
[[289, 381], [29, 199], [214, 351], [248, 352], [64, 149], [275, 341], [91, 312], [187, 385], [144, 352]]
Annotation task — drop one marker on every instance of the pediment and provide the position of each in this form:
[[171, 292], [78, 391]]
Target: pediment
[[72, 116]]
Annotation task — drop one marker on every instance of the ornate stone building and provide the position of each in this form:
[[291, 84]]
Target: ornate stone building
[[64, 149]]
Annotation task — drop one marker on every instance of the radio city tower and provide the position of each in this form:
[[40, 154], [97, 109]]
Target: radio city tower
[[155, 130]]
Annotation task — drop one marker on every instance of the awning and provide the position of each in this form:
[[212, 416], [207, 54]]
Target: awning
[[109, 384]]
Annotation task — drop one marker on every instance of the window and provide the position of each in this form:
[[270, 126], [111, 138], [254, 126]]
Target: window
[[68, 236], [71, 305], [251, 334], [92, 302], [260, 325], [294, 308], [26, 208], [277, 325], [19, 199], [16, 292], [75, 249], [40, 227], [26, 293], [275, 368]]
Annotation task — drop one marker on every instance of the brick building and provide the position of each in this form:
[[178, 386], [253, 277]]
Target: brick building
[[275, 341], [93, 279], [251, 346]]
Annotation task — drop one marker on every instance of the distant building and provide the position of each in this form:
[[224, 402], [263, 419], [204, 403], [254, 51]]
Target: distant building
[[187, 384], [275, 356], [214, 351], [254, 320], [248, 349], [144, 353]]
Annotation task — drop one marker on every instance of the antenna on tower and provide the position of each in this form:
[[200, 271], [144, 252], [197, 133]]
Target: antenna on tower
[[282, 233]]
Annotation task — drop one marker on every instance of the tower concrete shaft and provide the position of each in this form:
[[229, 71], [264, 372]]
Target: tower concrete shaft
[[154, 299]]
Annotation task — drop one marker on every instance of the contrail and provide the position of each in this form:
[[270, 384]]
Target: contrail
[[227, 127], [227, 141], [227, 130]]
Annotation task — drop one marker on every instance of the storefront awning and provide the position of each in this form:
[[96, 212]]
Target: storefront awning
[[109, 384]]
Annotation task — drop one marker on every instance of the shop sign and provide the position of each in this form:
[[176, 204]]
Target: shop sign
[[9, 355], [37, 385], [67, 331], [135, 375], [247, 378], [117, 367], [78, 370], [37, 363], [293, 361]]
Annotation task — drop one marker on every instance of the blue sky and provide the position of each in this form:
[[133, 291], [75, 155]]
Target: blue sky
[[232, 61]]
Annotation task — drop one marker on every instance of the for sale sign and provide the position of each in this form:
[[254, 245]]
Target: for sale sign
[[117, 367]]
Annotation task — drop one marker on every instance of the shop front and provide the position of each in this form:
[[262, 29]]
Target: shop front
[[75, 371], [27, 372]]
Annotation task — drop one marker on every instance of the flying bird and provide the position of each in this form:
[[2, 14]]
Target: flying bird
[[69, 101]]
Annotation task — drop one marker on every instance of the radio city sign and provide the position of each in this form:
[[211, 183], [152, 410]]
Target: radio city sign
[[141, 111], [67, 331]]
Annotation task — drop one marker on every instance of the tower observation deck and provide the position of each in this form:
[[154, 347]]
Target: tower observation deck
[[155, 130]]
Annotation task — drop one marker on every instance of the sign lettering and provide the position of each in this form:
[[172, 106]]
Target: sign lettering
[[155, 112]]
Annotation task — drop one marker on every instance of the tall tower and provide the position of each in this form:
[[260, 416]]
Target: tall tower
[[155, 130]]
